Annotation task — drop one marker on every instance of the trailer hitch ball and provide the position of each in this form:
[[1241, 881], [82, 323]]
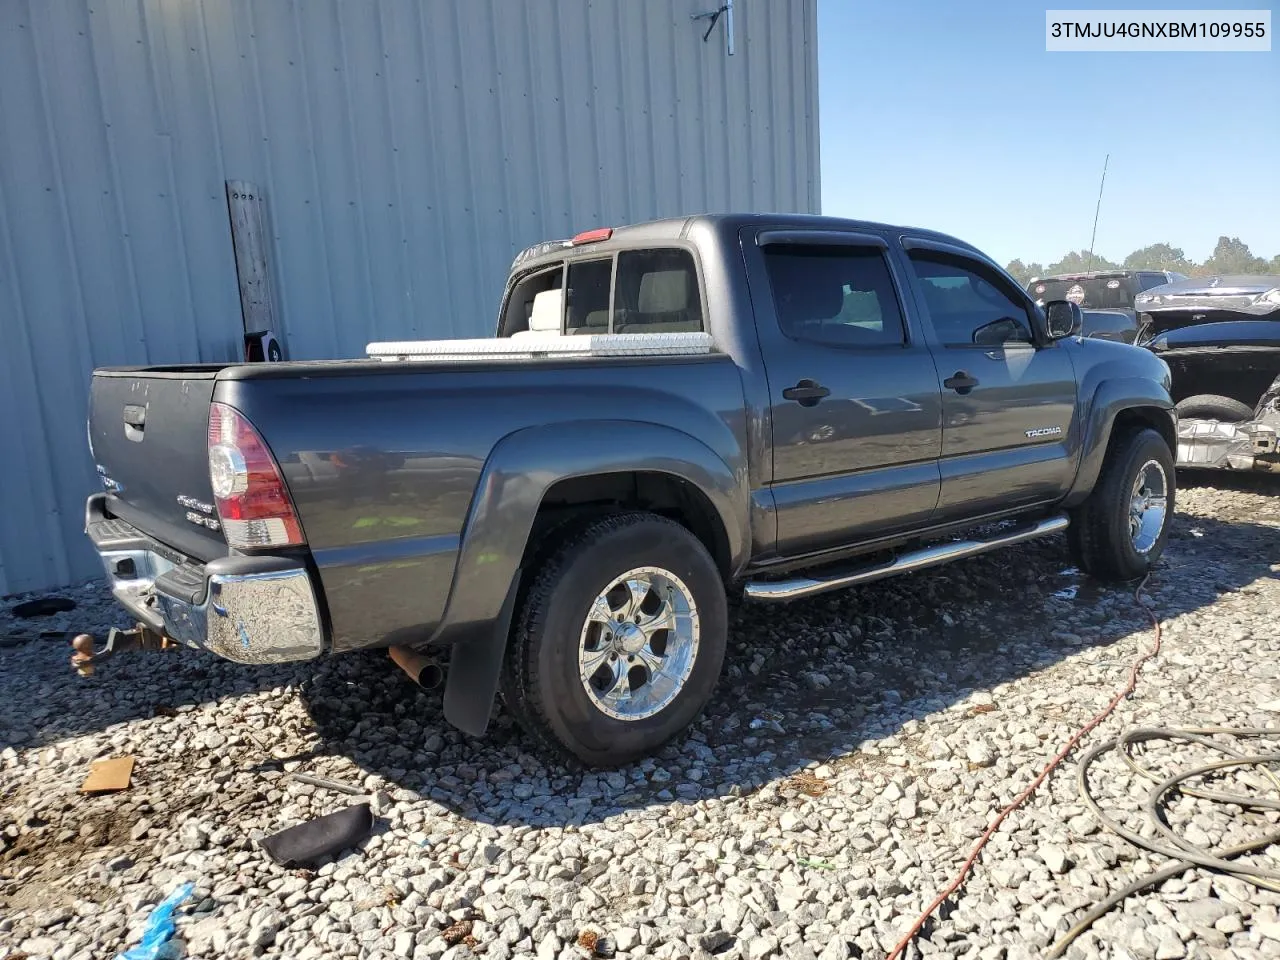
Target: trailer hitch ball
[[86, 656], [82, 658]]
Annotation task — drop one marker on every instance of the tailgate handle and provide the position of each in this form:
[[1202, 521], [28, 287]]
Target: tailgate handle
[[135, 421]]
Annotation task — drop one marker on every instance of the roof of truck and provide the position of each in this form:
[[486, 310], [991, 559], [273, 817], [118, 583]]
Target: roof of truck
[[677, 228]]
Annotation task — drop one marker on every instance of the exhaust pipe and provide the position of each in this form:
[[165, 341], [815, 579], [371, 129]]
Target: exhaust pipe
[[425, 671]]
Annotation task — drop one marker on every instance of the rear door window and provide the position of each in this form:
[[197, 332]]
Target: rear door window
[[834, 294]]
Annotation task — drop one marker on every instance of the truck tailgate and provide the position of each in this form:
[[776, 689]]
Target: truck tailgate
[[149, 433]]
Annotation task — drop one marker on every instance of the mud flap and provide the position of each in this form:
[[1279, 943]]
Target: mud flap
[[475, 664]]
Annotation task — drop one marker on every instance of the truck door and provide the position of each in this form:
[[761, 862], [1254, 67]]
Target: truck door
[[854, 396], [1008, 402]]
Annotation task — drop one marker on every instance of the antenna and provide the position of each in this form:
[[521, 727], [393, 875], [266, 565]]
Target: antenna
[[1098, 209]]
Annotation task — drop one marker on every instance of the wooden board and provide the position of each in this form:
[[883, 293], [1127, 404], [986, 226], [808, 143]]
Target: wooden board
[[249, 240], [106, 776]]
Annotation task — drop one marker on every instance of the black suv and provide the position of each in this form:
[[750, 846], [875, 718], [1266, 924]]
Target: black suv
[[1105, 296]]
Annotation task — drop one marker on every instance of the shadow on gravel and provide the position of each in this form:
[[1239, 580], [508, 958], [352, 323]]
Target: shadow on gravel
[[804, 683], [1263, 483]]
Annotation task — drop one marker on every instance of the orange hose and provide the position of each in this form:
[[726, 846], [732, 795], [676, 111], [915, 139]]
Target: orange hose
[[1022, 798]]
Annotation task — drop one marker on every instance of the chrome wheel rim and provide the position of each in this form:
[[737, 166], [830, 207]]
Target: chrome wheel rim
[[639, 643], [1148, 505]]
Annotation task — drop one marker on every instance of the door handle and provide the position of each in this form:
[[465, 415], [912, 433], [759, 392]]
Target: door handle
[[806, 393], [960, 382]]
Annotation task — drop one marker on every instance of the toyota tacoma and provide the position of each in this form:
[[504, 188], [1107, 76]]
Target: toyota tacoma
[[775, 405]]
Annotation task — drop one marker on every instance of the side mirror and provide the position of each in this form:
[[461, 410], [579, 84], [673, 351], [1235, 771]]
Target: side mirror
[[1004, 330], [1063, 318]]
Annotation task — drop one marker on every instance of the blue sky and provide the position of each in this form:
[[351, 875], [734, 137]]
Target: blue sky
[[953, 116]]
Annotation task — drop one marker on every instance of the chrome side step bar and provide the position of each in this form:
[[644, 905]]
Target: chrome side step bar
[[796, 587]]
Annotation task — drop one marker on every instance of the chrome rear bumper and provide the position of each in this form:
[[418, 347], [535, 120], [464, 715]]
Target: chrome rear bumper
[[247, 609]]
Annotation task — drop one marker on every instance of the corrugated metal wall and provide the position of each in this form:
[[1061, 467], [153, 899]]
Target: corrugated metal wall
[[406, 149]]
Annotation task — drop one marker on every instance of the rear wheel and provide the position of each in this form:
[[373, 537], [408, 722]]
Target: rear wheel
[[619, 641], [1120, 531]]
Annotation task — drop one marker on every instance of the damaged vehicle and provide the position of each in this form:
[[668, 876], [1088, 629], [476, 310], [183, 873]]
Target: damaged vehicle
[[1105, 296], [775, 405], [1220, 337]]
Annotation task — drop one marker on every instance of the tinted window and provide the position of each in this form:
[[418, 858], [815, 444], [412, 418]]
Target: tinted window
[[1149, 280], [966, 307], [519, 309], [838, 295], [587, 296], [657, 292], [1101, 293]]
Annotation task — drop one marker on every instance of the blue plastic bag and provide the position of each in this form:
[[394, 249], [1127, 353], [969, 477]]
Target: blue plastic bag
[[160, 926]]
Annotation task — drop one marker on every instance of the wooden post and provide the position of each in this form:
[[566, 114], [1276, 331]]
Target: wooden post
[[249, 240]]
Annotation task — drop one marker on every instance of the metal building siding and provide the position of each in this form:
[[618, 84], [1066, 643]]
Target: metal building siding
[[406, 149]]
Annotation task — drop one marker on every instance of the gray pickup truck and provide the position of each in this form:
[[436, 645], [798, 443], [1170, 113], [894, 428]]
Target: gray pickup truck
[[779, 405]]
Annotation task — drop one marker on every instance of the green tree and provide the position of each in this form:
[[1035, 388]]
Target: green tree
[[1159, 256], [1080, 261], [1232, 255], [1275, 264], [1023, 272]]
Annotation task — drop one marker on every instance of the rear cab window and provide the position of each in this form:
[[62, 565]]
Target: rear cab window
[[586, 301], [651, 290], [656, 292], [1099, 293]]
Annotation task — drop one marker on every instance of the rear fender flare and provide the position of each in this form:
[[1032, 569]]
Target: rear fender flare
[[522, 468]]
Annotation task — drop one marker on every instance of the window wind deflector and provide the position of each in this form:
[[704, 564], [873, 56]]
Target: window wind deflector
[[940, 246], [811, 238]]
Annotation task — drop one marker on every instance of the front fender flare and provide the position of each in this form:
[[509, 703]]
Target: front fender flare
[[1110, 399], [516, 476]]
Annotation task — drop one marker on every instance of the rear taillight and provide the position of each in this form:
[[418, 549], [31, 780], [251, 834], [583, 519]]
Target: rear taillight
[[253, 503]]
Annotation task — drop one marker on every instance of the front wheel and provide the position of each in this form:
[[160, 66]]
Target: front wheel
[[619, 641], [1119, 532]]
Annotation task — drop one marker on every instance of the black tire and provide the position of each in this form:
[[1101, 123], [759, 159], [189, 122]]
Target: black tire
[[1100, 536], [1207, 406], [541, 680]]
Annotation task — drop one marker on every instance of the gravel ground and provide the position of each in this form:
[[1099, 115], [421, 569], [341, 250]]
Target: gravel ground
[[857, 746]]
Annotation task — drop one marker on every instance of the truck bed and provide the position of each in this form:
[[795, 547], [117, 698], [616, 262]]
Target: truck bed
[[382, 459]]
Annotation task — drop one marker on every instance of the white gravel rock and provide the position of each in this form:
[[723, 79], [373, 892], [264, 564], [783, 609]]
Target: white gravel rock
[[788, 823]]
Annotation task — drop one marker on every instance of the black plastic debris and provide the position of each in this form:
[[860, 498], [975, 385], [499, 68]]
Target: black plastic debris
[[43, 607], [307, 843]]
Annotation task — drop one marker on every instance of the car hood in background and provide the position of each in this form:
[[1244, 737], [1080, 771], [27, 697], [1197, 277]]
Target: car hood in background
[[1256, 295]]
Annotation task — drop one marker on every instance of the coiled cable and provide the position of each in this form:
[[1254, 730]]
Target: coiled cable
[[1184, 853]]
